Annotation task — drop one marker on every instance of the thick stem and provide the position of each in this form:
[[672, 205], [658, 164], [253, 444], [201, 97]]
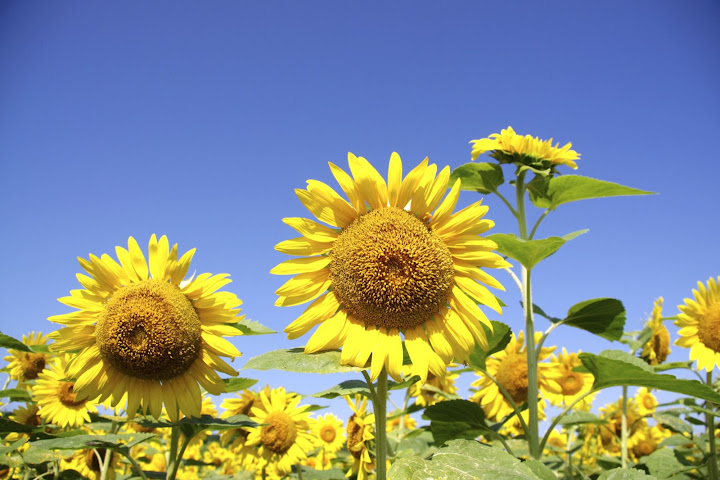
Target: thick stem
[[624, 429], [380, 408], [710, 423], [173, 454]]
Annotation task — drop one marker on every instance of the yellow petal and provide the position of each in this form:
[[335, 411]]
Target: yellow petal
[[301, 265]]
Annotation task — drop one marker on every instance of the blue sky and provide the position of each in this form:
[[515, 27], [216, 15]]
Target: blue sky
[[198, 120]]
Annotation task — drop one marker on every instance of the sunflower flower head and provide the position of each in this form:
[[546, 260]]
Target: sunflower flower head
[[699, 322], [360, 437], [573, 385], [391, 262], [656, 350], [26, 366], [645, 401], [525, 150], [144, 335], [329, 433]]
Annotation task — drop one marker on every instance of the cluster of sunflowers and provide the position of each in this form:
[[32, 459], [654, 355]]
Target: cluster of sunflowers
[[395, 278]]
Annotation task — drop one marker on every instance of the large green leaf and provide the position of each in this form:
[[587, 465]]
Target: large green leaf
[[627, 358], [455, 419], [580, 418], [15, 394], [238, 383], [249, 327], [463, 460], [609, 372], [7, 341], [602, 316], [296, 360], [480, 177], [7, 426], [530, 252], [625, 474], [497, 340], [79, 442], [663, 464], [348, 387], [571, 188]]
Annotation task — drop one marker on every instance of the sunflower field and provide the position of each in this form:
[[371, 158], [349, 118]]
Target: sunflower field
[[398, 287]]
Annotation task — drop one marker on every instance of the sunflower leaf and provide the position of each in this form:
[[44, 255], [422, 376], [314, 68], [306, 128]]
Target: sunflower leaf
[[79, 442], [580, 418], [664, 464], [9, 342], [626, 357], [15, 394], [348, 387], [530, 252], [673, 422], [455, 419], [571, 188], [604, 317], [625, 474], [497, 340], [461, 460], [250, 327], [296, 360], [610, 372], [479, 177], [7, 426], [237, 384]]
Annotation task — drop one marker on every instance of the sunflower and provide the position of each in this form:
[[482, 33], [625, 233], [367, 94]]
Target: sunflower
[[645, 401], [509, 367], [153, 337], [360, 437], [573, 385], [401, 422], [285, 439], [644, 441], [54, 392], [699, 323], [435, 389], [328, 432], [509, 147], [656, 350], [87, 463], [398, 263], [26, 366]]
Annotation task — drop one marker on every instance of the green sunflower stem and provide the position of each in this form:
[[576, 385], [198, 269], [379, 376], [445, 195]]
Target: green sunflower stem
[[380, 410], [624, 429], [710, 423], [532, 358], [173, 459]]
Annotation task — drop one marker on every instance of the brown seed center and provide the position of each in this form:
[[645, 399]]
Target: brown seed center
[[709, 327], [31, 364], [66, 395], [571, 383], [327, 433], [389, 269], [355, 444], [513, 375], [150, 330], [280, 434]]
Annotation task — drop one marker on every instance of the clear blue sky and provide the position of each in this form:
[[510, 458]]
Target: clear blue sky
[[198, 120]]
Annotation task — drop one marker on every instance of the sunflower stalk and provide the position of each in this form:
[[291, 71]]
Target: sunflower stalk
[[624, 429], [173, 454], [380, 409], [710, 422]]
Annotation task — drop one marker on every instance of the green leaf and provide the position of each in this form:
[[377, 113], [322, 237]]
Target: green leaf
[[348, 387], [625, 474], [455, 419], [80, 442], [627, 358], [497, 340], [9, 342], [672, 365], [673, 422], [7, 426], [203, 422], [539, 311], [480, 177], [604, 317], [312, 474], [393, 385], [37, 456], [609, 372], [571, 188], [15, 394], [540, 469], [463, 460], [296, 360], [580, 418], [249, 327], [12, 447], [530, 252], [238, 384], [663, 464]]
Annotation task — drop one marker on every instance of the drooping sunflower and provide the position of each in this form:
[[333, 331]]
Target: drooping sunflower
[[329, 433], [509, 367], [644, 441], [87, 463], [436, 389], [360, 437], [143, 331], [26, 366], [699, 323], [509, 147], [572, 384], [656, 350], [239, 405], [395, 262], [285, 439], [54, 392]]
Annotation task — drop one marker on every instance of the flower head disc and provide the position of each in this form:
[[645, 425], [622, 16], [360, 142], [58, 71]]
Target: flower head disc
[[398, 265], [699, 323], [572, 385], [656, 350], [26, 366], [144, 335], [509, 147]]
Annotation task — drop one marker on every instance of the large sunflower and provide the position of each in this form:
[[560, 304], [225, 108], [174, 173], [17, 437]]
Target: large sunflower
[[656, 350], [26, 366], [395, 262], [699, 325], [143, 331], [509, 147]]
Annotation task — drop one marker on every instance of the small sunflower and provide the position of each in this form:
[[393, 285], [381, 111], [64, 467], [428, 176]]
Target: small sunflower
[[395, 262], [699, 323], [509, 147], [26, 366], [87, 463], [611, 432], [401, 422], [328, 432], [54, 392], [285, 439], [434, 390], [572, 384], [143, 331], [645, 401], [360, 438], [644, 441], [236, 438], [510, 369], [656, 350]]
